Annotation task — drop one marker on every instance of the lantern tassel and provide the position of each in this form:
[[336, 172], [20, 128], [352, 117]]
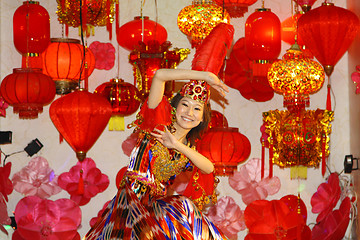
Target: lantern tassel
[[271, 155], [262, 158], [108, 21], [81, 183], [323, 157], [116, 123], [328, 98]]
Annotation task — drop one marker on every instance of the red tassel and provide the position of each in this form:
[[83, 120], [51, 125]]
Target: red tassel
[[81, 183], [117, 24], [271, 154], [262, 158], [323, 157], [86, 76], [108, 22], [328, 98], [66, 30]]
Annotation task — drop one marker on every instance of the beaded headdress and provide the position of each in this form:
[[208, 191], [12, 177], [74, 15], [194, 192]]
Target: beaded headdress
[[197, 90]]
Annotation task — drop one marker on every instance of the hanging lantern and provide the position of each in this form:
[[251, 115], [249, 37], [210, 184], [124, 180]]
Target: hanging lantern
[[197, 20], [235, 8], [124, 99], [296, 76], [305, 4], [141, 29], [327, 32], [298, 138], [63, 62], [80, 117], [93, 12], [217, 120], [31, 32], [225, 147], [262, 39], [148, 58], [27, 90], [289, 30]]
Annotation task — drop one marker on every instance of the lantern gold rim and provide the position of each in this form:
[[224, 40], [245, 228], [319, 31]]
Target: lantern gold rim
[[65, 40]]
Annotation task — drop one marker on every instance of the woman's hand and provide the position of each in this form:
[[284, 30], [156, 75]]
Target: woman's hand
[[216, 83], [165, 137]]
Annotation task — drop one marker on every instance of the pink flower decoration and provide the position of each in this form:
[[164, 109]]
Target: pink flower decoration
[[4, 218], [83, 188], [3, 106], [334, 225], [104, 55], [36, 179], [6, 186], [38, 218], [326, 197], [355, 76], [247, 181], [129, 143], [94, 219], [227, 216]]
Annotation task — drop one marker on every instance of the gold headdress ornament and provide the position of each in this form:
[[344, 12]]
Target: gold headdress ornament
[[209, 56]]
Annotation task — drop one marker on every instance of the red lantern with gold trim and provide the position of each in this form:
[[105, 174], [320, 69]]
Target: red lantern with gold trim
[[327, 32], [27, 90], [226, 148], [235, 8], [63, 62], [124, 98], [80, 117], [141, 29]]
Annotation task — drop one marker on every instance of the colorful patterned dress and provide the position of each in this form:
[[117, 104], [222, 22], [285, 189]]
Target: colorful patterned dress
[[141, 209]]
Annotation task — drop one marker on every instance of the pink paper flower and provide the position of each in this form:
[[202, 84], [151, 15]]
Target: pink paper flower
[[104, 55], [247, 181], [6, 186], [334, 225], [36, 179], [38, 218], [227, 216], [326, 197], [83, 188], [3, 106], [4, 218]]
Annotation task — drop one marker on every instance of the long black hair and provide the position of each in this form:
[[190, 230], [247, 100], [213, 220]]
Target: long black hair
[[197, 132]]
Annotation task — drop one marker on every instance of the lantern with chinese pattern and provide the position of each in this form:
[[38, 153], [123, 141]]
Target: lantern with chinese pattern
[[262, 39], [27, 90], [235, 8], [80, 117], [31, 31], [327, 32], [93, 12], [63, 62], [225, 147], [141, 29], [124, 99], [296, 76], [197, 20], [147, 58]]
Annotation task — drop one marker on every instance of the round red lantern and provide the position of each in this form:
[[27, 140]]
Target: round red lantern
[[262, 35], [225, 147], [141, 29], [235, 8], [124, 98], [27, 90], [217, 120], [289, 30], [31, 28], [63, 61], [327, 32], [80, 117]]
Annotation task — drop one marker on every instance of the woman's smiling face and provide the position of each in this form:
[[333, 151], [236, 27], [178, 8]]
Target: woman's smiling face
[[189, 113]]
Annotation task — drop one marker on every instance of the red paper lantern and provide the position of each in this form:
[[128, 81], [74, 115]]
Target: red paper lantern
[[31, 28], [141, 29], [327, 32], [80, 117], [262, 35], [218, 120], [27, 90], [225, 147], [235, 8], [63, 61], [124, 98], [289, 30]]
